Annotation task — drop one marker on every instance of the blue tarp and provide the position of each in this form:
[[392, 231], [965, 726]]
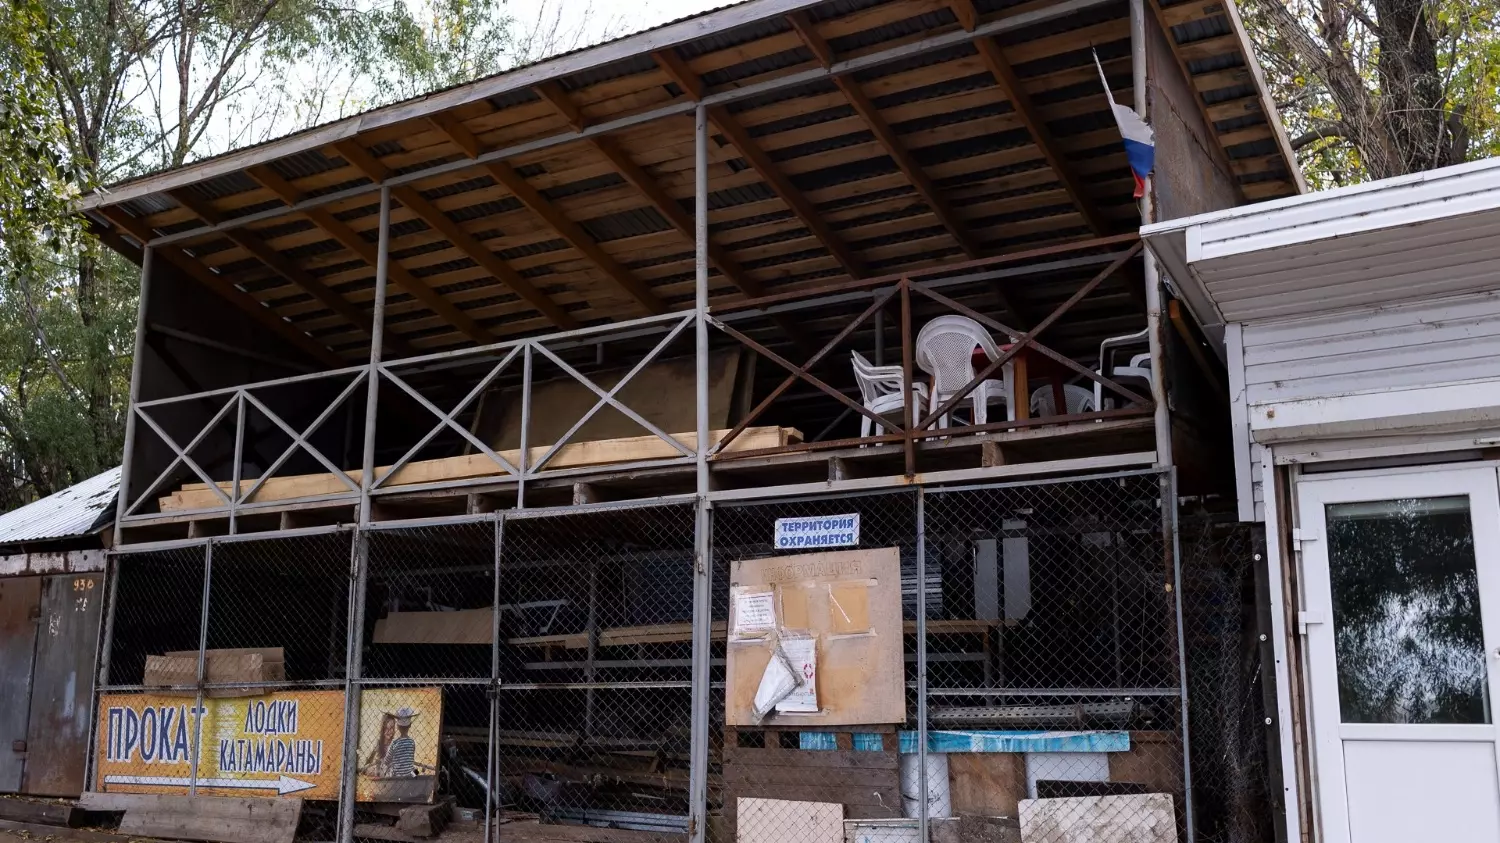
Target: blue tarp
[[985, 741]]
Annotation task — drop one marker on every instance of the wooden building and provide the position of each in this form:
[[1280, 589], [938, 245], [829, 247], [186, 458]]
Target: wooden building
[[640, 276]]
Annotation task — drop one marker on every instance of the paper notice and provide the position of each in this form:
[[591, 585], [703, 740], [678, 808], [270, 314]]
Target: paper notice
[[754, 614], [803, 654]]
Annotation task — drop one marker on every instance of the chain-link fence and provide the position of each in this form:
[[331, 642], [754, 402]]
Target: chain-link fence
[[994, 662]]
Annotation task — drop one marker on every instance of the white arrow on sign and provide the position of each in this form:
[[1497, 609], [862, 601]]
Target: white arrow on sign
[[282, 785]]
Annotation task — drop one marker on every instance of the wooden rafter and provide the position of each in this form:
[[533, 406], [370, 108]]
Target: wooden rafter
[[555, 219], [574, 234], [219, 286], [886, 136], [678, 71], [1010, 85], [281, 265], [413, 201], [553, 92], [367, 252]]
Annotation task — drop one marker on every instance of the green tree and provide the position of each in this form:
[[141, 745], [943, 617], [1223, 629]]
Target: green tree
[[1380, 88], [102, 90]]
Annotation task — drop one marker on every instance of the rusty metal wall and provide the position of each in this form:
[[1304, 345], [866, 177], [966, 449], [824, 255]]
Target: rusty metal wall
[[19, 599], [66, 646]]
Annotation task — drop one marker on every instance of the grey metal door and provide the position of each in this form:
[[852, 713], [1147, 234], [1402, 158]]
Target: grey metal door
[[61, 694], [19, 600]]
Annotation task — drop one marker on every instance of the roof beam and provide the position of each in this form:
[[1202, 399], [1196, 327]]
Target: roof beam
[[553, 92], [678, 71], [367, 252], [219, 285], [278, 263], [410, 198], [1005, 77], [886, 136], [574, 234], [565, 228]]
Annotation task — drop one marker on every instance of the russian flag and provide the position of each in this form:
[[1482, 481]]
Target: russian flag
[[1140, 141]]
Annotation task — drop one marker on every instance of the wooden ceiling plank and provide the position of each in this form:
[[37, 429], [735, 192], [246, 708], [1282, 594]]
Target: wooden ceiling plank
[[553, 92], [1216, 150], [278, 263], [217, 284], [885, 135], [367, 252], [1010, 84]]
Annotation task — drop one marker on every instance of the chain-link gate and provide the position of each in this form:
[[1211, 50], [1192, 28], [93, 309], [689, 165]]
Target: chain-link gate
[[996, 662]]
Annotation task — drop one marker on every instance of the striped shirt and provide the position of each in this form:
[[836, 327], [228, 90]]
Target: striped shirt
[[401, 758]]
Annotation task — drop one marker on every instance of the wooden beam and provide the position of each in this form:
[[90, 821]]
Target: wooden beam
[[673, 65], [481, 254], [1005, 76], [574, 235], [568, 230], [281, 265], [886, 136], [678, 71], [1195, 348], [783, 187], [215, 283], [553, 92], [672, 211], [968, 16], [367, 252]]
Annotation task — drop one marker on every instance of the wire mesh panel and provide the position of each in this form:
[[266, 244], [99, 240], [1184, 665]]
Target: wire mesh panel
[[157, 608], [1053, 694], [429, 602], [595, 668], [792, 595], [1231, 774]]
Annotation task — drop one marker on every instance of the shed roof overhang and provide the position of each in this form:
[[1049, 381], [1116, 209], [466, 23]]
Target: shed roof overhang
[[1414, 237], [850, 139]]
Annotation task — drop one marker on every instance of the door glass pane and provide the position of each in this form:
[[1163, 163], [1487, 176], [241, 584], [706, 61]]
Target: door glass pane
[[1407, 634]]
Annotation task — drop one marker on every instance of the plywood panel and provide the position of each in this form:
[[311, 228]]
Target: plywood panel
[[1145, 818], [778, 820], [988, 784], [860, 678]]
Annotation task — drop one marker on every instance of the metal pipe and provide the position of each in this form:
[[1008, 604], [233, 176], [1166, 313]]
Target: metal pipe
[[702, 566], [880, 337], [525, 457], [359, 559], [248, 354], [208, 576], [123, 496], [239, 459], [492, 763], [1169, 517], [922, 660], [1156, 337], [377, 341]]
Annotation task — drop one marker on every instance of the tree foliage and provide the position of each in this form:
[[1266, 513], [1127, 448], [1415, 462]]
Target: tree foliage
[[1380, 88], [101, 90]]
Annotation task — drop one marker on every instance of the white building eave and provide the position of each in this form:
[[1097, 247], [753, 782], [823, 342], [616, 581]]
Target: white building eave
[[1414, 237]]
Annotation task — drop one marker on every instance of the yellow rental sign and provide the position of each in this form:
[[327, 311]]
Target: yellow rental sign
[[280, 744]]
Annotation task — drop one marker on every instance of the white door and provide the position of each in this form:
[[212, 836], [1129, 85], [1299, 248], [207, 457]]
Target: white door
[[1402, 616]]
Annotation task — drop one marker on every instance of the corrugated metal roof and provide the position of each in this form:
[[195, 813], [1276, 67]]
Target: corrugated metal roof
[[75, 511]]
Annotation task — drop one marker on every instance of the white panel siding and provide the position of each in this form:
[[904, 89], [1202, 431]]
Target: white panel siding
[[1410, 345]]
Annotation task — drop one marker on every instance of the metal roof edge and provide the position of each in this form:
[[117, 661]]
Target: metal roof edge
[[1267, 103], [659, 37]]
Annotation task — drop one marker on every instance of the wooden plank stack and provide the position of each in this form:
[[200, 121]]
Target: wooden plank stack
[[249, 665], [866, 782]]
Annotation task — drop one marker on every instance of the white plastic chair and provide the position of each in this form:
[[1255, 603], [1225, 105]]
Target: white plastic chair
[[1077, 398], [880, 390], [945, 350], [1139, 368]]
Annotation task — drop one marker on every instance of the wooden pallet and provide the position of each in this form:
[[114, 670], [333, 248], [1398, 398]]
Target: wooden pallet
[[757, 763]]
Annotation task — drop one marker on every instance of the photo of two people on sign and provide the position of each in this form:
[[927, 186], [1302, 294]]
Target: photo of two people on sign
[[391, 768]]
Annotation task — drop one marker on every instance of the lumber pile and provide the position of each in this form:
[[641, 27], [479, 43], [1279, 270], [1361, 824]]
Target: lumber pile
[[224, 819], [572, 455], [249, 665]]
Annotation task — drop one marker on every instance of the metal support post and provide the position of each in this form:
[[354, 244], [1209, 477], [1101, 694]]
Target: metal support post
[[702, 564], [1155, 336], [922, 660], [492, 749], [377, 340], [1169, 522], [122, 500], [208, 578], [359, 569], [239, 460], [524, 465]]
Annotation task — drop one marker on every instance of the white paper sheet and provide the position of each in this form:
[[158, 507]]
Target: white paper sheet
[[754, 614], [803, 654]]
